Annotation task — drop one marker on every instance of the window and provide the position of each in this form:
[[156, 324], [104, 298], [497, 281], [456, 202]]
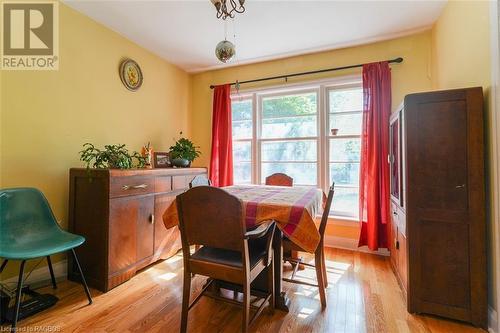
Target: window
[[345, 112], [242, 113], [293, 131], [289, 137]]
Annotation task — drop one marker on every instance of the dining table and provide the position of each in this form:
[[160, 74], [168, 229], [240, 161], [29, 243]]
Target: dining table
[[293, 209]]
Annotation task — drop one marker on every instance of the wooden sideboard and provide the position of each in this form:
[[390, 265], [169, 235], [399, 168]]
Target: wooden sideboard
[[438, 248], [119, 212]]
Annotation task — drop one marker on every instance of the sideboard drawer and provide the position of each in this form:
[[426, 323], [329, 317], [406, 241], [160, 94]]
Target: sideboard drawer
[[135, 185], [163, 184], [179, 182]]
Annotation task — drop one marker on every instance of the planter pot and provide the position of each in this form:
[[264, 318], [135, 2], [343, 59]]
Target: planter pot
[[180, 163]]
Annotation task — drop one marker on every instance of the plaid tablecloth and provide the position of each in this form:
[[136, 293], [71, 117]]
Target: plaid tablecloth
[[293, 208]]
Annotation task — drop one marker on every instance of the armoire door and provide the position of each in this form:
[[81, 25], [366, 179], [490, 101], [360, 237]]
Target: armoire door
[[445, 177]]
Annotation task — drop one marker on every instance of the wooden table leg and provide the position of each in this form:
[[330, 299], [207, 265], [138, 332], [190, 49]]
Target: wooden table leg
[[282, 302]]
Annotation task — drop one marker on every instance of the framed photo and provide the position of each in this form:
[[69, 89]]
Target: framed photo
[[161, 159]]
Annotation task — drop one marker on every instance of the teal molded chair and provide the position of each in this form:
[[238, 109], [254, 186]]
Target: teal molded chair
[[29, 230]]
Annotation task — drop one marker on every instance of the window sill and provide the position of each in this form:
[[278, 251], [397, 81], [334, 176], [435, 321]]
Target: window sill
[[343, 218], [345, 221]]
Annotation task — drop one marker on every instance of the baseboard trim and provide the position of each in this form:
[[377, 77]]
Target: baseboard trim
[[492, 320], [41, 275], [351, 244]]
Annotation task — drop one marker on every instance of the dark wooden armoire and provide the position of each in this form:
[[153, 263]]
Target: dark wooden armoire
[[438, 247]]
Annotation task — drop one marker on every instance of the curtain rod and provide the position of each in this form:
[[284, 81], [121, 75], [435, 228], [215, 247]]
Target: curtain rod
[[396, 60]]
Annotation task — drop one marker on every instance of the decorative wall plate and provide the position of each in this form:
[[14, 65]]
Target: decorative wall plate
[[131, 74]]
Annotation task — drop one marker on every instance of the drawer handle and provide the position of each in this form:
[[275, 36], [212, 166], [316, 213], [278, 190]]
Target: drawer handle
[[152, 219], [460, 186], [134, 187]]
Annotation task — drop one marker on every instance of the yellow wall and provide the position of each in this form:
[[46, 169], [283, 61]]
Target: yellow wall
[[412, 75], [45, 117], [461, 58], [48, 115]]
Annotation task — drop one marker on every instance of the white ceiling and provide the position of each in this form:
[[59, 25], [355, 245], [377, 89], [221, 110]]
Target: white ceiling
[[185, 32]]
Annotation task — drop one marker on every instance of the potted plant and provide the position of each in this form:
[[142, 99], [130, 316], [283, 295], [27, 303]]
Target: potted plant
[[112, 156], [183, 152]]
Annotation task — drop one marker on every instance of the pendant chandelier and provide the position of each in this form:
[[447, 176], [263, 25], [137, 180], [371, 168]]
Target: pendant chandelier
[[227, 8], [226, 50]]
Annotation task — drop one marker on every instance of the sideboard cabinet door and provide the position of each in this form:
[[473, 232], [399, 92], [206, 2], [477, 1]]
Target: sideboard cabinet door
[[166, 241], [129, 230]]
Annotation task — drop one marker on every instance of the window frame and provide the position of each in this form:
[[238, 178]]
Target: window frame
[[260, 139], [323, 135], [329, 137], [241, 98]]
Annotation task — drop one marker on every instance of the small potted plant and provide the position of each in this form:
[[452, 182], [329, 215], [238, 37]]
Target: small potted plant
[[112, 157], [183, 152]]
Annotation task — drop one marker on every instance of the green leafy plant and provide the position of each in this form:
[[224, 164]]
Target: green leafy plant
[[112, 156], [185, 149]]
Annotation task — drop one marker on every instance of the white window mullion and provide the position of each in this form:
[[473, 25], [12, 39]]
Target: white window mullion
[[323, 142], [258, 118], [254, 140]]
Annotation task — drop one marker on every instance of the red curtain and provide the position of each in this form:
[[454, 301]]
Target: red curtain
[[221, 159], [374, 169]]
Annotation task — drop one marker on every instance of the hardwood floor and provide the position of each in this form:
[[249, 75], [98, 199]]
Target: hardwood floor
[[363, 296]]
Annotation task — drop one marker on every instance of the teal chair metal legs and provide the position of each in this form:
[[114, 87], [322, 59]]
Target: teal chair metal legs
[[29, 230], [52, 277], [84, 283]]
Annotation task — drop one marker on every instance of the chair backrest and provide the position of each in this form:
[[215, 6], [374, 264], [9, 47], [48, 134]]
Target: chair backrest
[[326, 211], [279, 179], [210, 216], [200, 180], [25, 216]]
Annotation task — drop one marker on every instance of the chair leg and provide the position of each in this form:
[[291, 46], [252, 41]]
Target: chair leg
[[19, 293], [296, 266], [4, 263], [323, 260], [186, 292], [319, 276], [270, 286], [246, 306], [84, 283], [52, 277]]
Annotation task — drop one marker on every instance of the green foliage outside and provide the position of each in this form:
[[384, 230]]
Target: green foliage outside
[[276, 112]]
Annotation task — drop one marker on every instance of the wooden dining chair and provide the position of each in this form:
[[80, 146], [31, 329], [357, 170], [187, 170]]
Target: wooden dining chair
[[213, 218], [319, 254], [200, 180], [279, 179]]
